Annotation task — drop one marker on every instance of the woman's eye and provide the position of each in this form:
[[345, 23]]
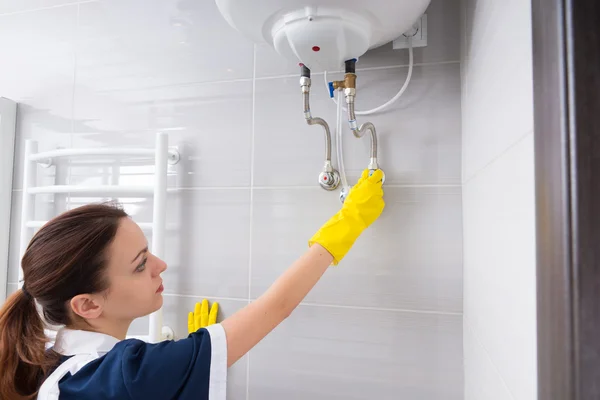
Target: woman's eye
[[142, 266]]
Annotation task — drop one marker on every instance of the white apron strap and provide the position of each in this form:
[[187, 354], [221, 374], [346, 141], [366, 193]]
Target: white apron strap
[[49, 389]]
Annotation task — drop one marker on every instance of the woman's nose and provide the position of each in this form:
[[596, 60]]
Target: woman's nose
[[160, 266]]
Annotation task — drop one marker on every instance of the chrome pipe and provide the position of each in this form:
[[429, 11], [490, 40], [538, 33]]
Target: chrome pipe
[[317, 121], [329, 178], [360, 132]]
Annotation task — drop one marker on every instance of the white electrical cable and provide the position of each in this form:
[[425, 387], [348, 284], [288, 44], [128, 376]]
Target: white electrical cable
[[393, 99], [339, 142]]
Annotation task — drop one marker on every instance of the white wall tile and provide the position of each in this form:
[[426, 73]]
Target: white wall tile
[[209, 253], [37, 68], [499, 272], [211, 124], [498, 200], [423, 226], [11, 288], [46, 206], [17, 6], [340, 353], [498, 90], [171, 42], [287, 150], [482, 380], [38, 126], [45, 35], [443, 32], [44, 38]]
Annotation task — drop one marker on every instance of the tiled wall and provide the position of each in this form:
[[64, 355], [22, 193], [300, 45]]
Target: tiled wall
[[498, 202], [386, 323]]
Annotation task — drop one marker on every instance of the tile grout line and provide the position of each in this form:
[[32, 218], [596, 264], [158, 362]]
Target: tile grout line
[[272, 77], [499, 156], [366, 69], [489, 356], [252, 161], [291, 187], [32, 10], [75, 41], [72, 134], [308, 304], [212, 298], [317, 305], [176, 85], [254, 188], [274, 188], [301, 187], [399, 310]]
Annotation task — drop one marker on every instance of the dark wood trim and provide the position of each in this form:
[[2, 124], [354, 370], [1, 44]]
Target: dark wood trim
[[566, 65]]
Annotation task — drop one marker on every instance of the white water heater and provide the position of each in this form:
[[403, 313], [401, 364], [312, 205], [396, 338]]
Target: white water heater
[[322, 34]]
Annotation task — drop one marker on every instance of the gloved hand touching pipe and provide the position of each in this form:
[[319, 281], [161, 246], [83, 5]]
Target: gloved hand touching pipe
[[201, 317], [362, 207]]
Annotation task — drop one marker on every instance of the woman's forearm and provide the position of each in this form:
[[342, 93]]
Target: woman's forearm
[[251, 324]]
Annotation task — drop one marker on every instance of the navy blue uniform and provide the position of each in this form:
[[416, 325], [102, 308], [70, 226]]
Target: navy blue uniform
[[97, 366]]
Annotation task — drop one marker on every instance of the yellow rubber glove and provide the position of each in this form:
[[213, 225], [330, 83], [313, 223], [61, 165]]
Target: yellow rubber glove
[[201, 318], [362, 207]]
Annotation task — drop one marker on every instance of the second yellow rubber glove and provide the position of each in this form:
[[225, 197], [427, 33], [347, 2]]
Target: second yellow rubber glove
[[201, 317], [362, 207]]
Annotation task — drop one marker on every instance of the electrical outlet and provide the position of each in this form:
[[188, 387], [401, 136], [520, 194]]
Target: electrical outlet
[[418, 33]]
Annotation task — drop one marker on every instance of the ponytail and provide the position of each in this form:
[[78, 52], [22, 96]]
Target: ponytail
[[23, 358], [65, 257]]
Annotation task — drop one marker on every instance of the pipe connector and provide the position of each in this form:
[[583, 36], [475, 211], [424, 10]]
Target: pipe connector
[[337, 85], [305, 84], [329, 178], [350, 81], [373, 165], [304, 71]]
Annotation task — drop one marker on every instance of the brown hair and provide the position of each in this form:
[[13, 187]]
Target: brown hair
[[65, 258]]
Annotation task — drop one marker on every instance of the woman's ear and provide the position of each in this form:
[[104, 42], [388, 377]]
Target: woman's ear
[[87, 306]]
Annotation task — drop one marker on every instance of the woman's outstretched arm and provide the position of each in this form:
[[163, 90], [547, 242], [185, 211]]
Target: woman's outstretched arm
[[248, 326], [329, 245]]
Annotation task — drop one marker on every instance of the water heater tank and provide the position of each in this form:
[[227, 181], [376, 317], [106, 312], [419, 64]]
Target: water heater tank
[[322, 34]]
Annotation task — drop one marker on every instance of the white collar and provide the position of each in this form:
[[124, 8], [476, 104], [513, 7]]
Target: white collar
[[71, 342]]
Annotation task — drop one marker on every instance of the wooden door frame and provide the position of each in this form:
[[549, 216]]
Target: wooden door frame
[[566, 69]]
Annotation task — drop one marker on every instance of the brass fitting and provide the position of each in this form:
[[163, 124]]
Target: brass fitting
[[350, 81], [338, 85]]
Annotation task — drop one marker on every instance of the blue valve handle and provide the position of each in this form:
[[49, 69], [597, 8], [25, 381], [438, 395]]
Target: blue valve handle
[[331, 89]]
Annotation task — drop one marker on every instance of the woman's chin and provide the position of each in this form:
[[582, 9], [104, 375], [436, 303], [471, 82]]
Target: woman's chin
[[159, 301], [157, 304]]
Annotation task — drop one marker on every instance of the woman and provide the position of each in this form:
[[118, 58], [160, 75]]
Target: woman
[[90, 270]]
